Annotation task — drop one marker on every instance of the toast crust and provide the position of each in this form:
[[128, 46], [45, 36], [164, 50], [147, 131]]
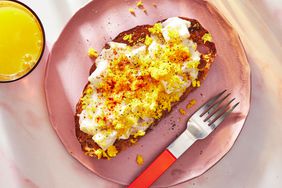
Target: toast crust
[[139, 34]]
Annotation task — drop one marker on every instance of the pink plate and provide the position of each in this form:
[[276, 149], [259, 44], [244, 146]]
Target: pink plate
[[68, 68]]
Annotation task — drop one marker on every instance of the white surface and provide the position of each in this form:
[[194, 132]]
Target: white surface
[[32, 156]]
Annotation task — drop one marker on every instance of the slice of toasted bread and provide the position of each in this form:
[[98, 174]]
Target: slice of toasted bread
[[208, 52]]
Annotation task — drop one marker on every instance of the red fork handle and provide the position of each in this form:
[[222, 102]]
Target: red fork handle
[[154, 171]]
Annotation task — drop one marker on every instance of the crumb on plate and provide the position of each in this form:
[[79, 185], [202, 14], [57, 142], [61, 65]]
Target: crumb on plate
[[92, 53], [139, 159], [140, 4], [191, 103], [182, 111], [132, 11]]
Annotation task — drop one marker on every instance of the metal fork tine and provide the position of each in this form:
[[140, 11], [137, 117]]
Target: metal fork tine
[[213, 108], [223, 116], [219, 112], [207, 105]]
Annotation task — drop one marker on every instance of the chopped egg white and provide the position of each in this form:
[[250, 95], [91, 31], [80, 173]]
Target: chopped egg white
[[140, 50], [105, 138], [87, 121], [95, 77], [87, 125], [117, 46], [178, 24]]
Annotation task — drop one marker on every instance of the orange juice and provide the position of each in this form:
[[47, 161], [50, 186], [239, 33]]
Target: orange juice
[[21, 40]]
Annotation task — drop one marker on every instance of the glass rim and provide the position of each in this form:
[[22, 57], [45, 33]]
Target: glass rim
[[43, 43]]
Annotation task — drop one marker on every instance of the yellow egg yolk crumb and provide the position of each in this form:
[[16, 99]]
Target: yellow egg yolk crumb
[[191, 103], [139, 4], [112, 151], [182, 111], [92, 53], [148, 40], [196, 83], [105, 155], [207, 37], [90, 151], [139, 133], [156, 29], [133, 141], [207, 58], [131, 11], [99, 153], [139, 159], [128, 37]]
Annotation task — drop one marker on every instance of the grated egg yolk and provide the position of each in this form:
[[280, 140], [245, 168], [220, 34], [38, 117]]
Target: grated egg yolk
[[191, 103], [196, 83], [99, 153], [182, 111], [139, 4], [128, 38], [148, 40], [207, 37], [133, 141], [131, 11], [139, 159], [139, 133], [156, 29], [112, 151], [92, 53]]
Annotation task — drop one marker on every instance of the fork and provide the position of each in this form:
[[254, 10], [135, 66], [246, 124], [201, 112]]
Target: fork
[[199, 126]]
